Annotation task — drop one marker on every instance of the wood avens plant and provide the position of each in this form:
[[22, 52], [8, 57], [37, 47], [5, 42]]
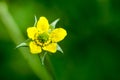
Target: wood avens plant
[[44, 37]]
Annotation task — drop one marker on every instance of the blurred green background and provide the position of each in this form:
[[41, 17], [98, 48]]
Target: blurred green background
[[91, 48]]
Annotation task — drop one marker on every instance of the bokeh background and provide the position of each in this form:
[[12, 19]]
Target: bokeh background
[[91, 48]]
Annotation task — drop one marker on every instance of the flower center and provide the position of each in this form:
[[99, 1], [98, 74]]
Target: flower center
[[43, 37]]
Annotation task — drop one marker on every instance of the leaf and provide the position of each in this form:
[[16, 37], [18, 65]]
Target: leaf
[[53, 24], [59, 48], [42, 57], [35, 21]]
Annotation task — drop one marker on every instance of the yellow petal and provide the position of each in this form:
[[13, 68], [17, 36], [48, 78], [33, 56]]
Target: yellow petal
[[58, 34], [34, 48], [51, 47], [43, 25], [31, 31]]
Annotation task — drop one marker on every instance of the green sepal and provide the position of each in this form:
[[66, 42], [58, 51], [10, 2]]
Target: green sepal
[[23, 44], [35, 23], [53, 24], [42, 57], [59, 48]]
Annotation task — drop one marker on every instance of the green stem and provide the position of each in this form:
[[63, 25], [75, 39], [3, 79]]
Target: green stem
[[17, 37]]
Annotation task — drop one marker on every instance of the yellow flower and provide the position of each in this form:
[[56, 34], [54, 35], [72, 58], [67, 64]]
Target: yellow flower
[[43, 37]]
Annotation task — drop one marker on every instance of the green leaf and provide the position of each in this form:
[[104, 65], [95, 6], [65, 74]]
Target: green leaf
[[59, 48], [42, 57], [53, 24], [35, 21]]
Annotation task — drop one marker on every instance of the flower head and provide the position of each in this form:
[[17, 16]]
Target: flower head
[[43, 37]]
